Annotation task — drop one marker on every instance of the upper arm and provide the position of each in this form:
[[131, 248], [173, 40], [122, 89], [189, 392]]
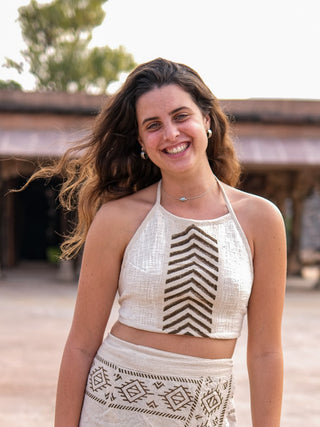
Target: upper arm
[[267, 296], [98, 280]]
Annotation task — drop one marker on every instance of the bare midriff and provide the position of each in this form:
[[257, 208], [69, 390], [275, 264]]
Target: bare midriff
[[208, 348]]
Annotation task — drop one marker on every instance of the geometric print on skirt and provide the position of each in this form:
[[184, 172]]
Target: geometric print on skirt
[[120, 396]]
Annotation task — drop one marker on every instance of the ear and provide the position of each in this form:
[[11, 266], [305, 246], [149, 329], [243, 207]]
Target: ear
[[140, 142], [207, 121]]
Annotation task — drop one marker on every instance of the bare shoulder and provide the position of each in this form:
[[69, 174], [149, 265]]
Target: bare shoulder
[[253, 205], [118, 219], [258, 216], [129, 207]]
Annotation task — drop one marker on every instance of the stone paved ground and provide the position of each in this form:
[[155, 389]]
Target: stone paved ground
[[35, 315]]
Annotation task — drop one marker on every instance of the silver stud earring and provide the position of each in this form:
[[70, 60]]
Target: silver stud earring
[[209, 133], [143, 155]]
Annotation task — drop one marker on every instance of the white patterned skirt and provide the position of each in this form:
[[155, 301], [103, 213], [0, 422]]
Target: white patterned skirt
[[131, 385]]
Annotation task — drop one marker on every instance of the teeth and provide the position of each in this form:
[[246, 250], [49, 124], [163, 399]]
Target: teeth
[[178, 149]]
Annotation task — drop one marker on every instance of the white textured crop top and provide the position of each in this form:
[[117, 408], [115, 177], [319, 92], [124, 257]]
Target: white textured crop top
[[186, 277]]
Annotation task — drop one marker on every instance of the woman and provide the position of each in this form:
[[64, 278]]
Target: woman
[[188, 254]]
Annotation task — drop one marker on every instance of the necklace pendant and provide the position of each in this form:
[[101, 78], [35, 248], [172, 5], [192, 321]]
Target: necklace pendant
[[183, 199]]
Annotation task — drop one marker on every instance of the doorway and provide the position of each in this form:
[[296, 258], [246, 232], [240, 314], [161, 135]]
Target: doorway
[[37, 221]]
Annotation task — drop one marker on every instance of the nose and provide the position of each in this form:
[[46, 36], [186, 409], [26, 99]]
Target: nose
[[170, 131]]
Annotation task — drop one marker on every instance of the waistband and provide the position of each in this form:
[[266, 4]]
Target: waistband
[[151, 360]]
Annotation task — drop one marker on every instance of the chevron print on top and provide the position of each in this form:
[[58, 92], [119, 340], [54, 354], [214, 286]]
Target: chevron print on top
[[191, 283]]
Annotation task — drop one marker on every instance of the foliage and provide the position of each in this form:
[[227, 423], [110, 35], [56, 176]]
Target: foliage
[[10, 63], [10, 85], [57, 35]]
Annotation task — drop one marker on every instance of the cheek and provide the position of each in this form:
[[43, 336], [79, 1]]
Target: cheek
[[150, 141], [196, 129]]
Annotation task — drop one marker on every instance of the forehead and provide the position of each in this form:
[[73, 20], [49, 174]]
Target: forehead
[[163, 99]]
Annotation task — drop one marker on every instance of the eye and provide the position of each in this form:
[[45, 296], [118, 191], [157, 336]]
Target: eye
[[153, 126], [181, 117]]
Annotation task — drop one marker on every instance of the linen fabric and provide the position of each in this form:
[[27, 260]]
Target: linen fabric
[[185, 276], [133, 385]]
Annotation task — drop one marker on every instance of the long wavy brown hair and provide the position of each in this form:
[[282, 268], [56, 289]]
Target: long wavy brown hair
[[108, 164]]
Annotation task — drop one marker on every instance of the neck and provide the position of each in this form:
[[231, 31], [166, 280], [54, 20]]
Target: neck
[[185, 190]]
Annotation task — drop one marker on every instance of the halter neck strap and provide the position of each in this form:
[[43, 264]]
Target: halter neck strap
[[226, 198], [158, 193]]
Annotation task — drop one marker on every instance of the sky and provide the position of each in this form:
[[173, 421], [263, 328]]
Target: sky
[[241, 48]]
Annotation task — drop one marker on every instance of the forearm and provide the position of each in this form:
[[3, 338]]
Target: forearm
[[74, 370], [266, 387]]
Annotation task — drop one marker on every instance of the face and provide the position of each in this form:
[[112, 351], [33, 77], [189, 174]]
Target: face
[[172, 129]]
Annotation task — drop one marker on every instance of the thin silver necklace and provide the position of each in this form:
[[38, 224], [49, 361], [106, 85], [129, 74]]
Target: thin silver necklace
[[184, 198]]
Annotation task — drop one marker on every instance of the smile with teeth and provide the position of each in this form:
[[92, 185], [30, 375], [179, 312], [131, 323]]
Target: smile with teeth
[[177, 149]]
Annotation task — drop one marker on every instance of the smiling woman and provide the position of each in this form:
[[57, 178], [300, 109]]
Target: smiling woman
[[175, 136], [187, 253]]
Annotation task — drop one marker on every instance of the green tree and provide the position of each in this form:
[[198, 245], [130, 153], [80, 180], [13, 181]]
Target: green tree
[[57, 36], [10, 85]]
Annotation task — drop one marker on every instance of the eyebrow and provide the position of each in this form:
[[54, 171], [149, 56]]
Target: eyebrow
[[176, 110]]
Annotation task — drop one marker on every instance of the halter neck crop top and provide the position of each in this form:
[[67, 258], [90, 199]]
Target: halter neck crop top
[[186, 277]]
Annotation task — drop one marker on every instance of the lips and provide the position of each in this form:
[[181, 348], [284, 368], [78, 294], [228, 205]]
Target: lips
[[177, 148]]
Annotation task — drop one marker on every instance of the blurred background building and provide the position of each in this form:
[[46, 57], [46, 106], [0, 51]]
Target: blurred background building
[[278, 143]]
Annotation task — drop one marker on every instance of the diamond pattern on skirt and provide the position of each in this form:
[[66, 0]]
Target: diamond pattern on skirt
[[127, 395]]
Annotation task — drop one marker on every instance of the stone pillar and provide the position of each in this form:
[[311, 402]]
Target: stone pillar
[[302, 184], [1, 222], [277, 189]]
